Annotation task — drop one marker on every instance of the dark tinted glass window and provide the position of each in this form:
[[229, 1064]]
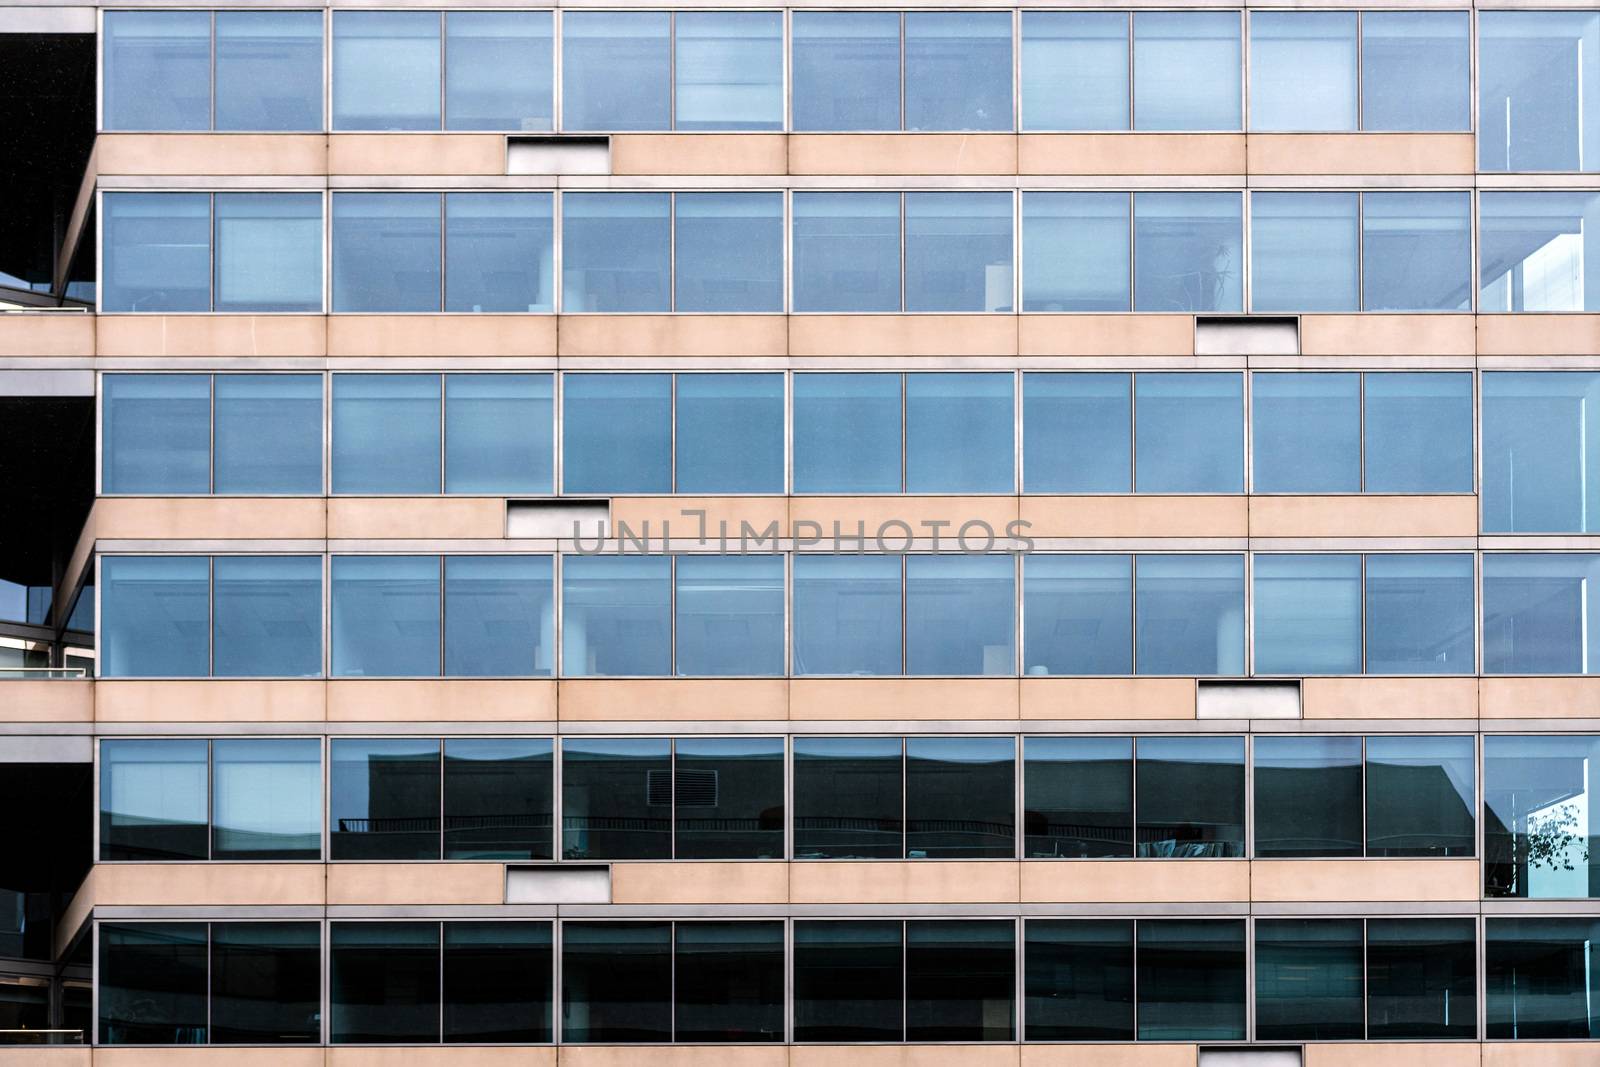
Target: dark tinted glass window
[[847, 981], [266, 983], [1191, 796], [1191, 980], [729, 798], [1542, 978], [1421, 979], [1308, 979], [385, 982], [960, 797], [152, 800], [616, 798], [1308, 796], [1078, 796], [1079, 980], [497, 981], [960, 980], [729, 981], [384, 799], [616, 982], [152, 983], [1538, 833], [847, 798], [499, 796], [1419, 796]]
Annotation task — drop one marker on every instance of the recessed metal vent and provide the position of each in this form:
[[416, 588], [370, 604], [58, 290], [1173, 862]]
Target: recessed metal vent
[[558, 155], [1246, 335], [1248, 699]]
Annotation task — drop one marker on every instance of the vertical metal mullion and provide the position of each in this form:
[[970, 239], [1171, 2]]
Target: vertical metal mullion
[[1361, 251], [905, 973], [672, 801], [1133, 799], [1361, 599], [444, 390], [903, 265], [1250, 795], [1132, 118], [442, 801], [1133, 396], [444, 223], [1361, 430], [211, 806], [902, 99], [208, 979], [444, 75], [905, 812], [1133, 931], [672, 72], [672, 967], [442, 621], [1363, 796], [211, 251], [211, 616], [1133, 263], [1133, 612], [905, 387], [672, 286], [212, 68], [1366, 1014], [211, 422], [672, 404], [905, 620], [439, 960]]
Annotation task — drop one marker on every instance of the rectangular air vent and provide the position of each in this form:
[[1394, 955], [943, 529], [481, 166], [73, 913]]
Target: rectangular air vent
[[1248, 699], [558, 155], [1246, 335], [558, 883], [548, 519], [1250, 1057]]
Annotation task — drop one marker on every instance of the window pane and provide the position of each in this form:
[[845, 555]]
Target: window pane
[[1416, 252], [1187, 249], [1186, 70], [616, 251], [960, 798], [1190, 797], [615, 70], [1541, 457], [157, 433], [500, 616], [1191, 980], [1419, 433], [847, 798], [1304, 250], [157, 249], [499, 70], [1419, 614], [266, 799], [617, 433], [1190, 612], [1305, 432], [616, 982], [730, 616], [1308, 796], [616, 616], [847, 433], [386, 433], [269, 70], [1077, 433], [961, 615], [151, 983], [499, 251], [385, 251], [153, 617], [846, 70], [1422, 979], [1079, 980], [846, 615], [616, 796], [1542, 978], [960, 433], [385, 616], [728, 982], [1538, 90], [498, 798], [730, 433], [729, 70], [728, 793], [1307, 614], [1191, 433], [1077, 614], [1415, 70], [266, 983], [1309, 980], [384, 798], [157, 70], [961, 979], [958, 70], [386, 70], [1075, 254], [1419, 796], [1302, 70], [267, 617], [1537, 251], [848, 978], [385, 979], [729, 252], [1078, 797], [958, 251], [499, 433], [1074, 70], [498, 981], [268, 433], [152, 800], [1538, 614], [1538, 839], [846, 248]]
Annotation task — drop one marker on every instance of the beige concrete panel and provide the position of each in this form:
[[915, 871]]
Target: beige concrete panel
[[1361, 153], [1539, 698], [903, 698], [1131, 153], [669, 1056], [1379, 1054], [673, 699], [205, 154], [203, 336], [416, 153], [1143, 515], [204, 1056], [902, 153], [1387, 335], [1105, 335], [673, 335], [903, 335], [47, 700], [900, 1055], [441, 335], [700, 883], [1159, 1055], [416, 883], [1363, 515], [699, 153], [49, 1056], [1107, 698], [903, 882], [1538, 1054], [1538, 335], [53, 333], [1389, 698], [215, 883], [441, 700], [210, 518], [426, 517], [208, 700], [444, 1056], [1363, 880], [880, 518], [725, 516], [1135, 881]]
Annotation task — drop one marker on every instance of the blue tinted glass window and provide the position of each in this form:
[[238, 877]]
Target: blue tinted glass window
[[1186, 70], [386, 433], [1420, 796], [1187, 252], [1419, 614], [154, 620], [1305, 432], [729, 70], [267, 616], [959, 433], [1077, 614], [1190, 612], [386, 70], [847, 615], [499, 616], [616, 616], [1302, 70], [617, 433], [1190, 435], [1416, 252], [958, 251], [268, 433], [1077, 433], [152, 799], [1305, 252], [845, 70], [1542, 978], [617, 252], [846, 251], [157, 70], [730, 615], [266, 798], [157, 249], [1419, 433], [615, 70], [1075, 252], [1539, 817], [847, 433], [157, 433], [730, 433], [499, 70], [961, 614], [1307, 614], [1416, 70], [269, 70], [1538, 90], [268, 252], [1538, 251], [728, 252], [1074, 70], [499, 433], [1541, 458], [499, 252], [958, 70], [1538, 614], [386, 252], [385, 616]]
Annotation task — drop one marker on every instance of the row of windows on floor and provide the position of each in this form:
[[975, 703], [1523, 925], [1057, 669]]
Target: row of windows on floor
[[883, 980], [881, 614], [868, 71], [859, 251]]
